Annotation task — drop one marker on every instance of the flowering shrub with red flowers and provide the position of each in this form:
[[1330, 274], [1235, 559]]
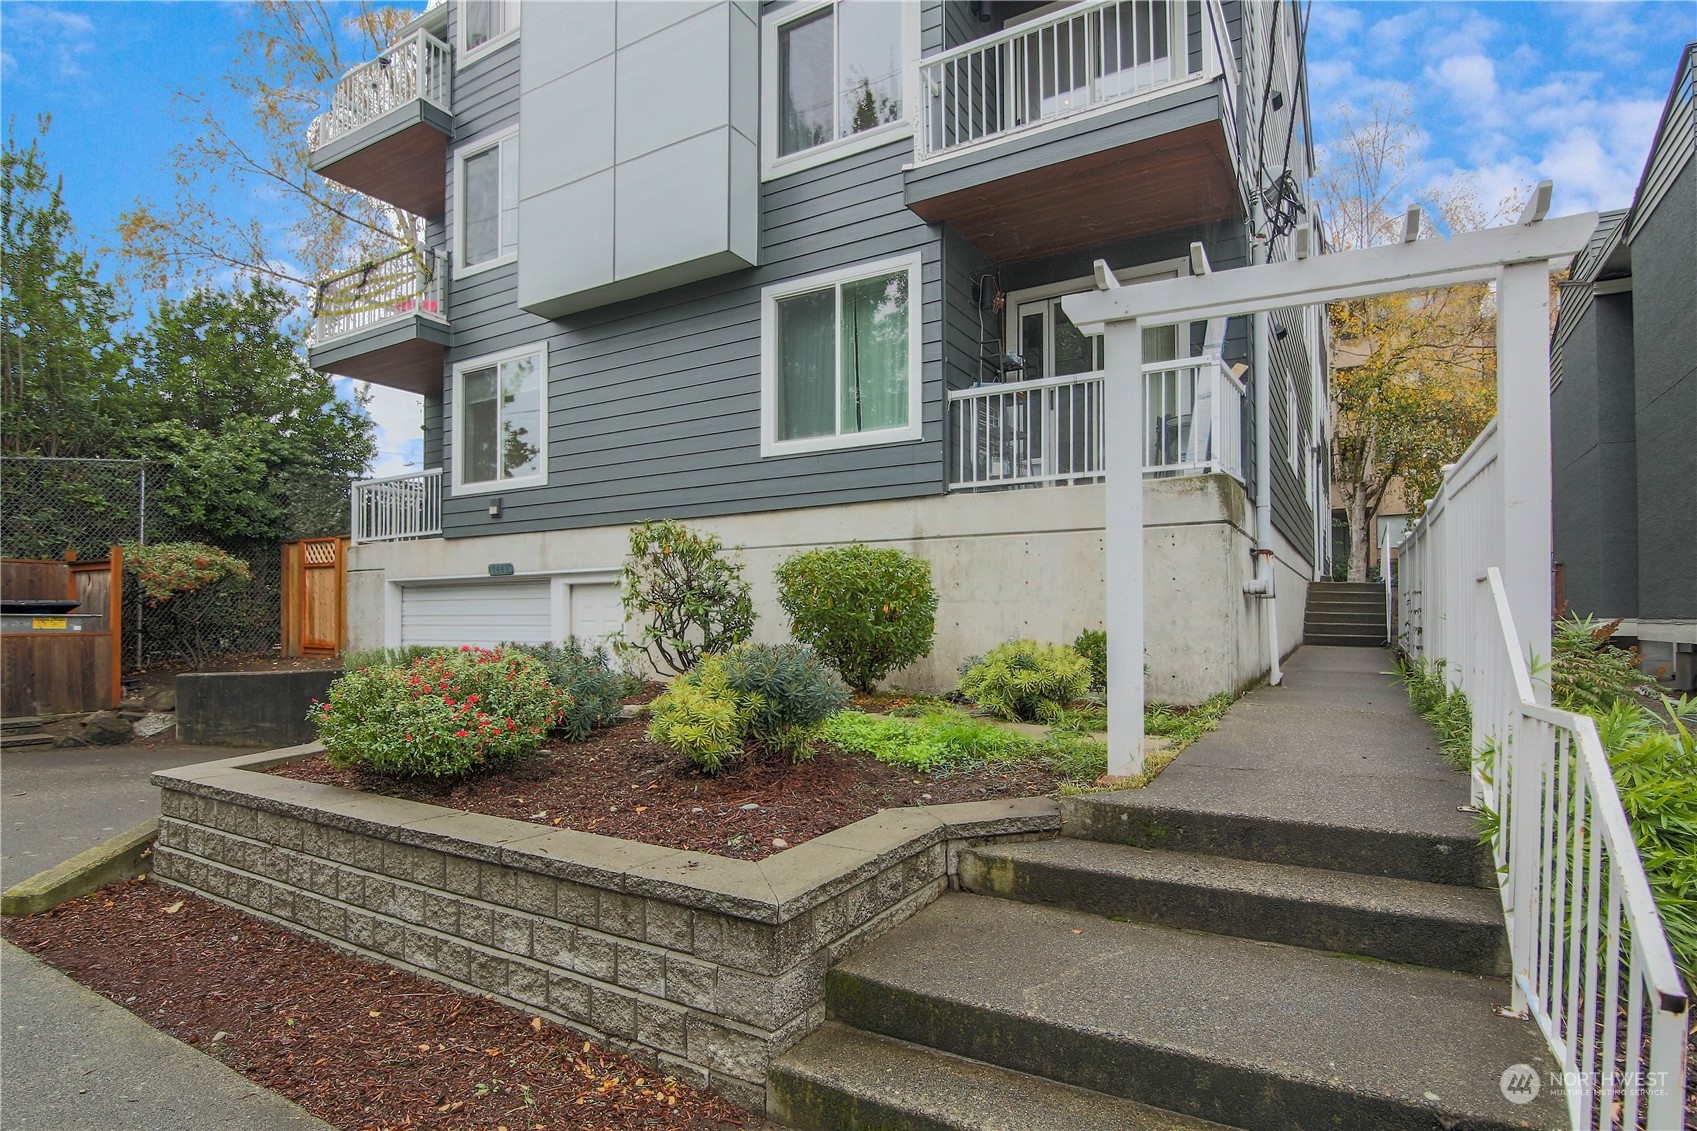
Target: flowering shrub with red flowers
[[441, 715]]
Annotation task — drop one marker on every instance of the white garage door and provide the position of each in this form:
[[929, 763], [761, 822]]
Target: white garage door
[[596, 612], [484, 613]]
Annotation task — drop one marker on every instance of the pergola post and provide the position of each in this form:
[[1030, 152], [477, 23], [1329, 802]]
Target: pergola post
[[1523, 429], [1122, 411]]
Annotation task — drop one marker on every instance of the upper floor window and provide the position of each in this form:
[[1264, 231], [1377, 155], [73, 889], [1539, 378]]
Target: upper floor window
[[835, 76], [485, 25], [486, 200], [840, 358], [501, 432]]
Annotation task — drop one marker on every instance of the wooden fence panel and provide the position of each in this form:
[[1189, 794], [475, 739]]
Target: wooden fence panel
[[315, 585], [61, 672]]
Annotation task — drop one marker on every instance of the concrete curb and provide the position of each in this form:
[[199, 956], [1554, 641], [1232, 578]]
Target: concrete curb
[[121, 858]]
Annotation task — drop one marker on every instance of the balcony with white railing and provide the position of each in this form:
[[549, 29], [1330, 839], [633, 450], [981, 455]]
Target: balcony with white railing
[[384, 321], [398, 507], [387, 128], [1003, 127], [1051, 431]]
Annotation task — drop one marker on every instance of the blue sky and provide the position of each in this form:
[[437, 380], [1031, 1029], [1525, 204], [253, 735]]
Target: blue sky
[[1504, 92]]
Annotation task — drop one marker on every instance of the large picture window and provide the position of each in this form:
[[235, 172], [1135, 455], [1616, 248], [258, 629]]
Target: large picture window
[[840, 359], [501, 431], [836, 79], [486, 198]]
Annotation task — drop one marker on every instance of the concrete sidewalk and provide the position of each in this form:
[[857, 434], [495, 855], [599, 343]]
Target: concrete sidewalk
[[72, 1061]]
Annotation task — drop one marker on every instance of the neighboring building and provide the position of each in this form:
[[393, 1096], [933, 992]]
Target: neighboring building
[[791, 272], [1623, 408]]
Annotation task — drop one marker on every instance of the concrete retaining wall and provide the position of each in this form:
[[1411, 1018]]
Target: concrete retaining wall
[[250, 708], [1006, 564], [704, 966]]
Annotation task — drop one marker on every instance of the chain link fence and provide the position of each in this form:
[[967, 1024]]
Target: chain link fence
[[49, 506]]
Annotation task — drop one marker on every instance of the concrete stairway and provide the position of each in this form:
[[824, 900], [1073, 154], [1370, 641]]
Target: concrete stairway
[[1291, 928], [23, 730], [1350, 614]]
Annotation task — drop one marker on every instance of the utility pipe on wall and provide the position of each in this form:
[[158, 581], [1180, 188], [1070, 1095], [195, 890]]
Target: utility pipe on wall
[[1263, 585]]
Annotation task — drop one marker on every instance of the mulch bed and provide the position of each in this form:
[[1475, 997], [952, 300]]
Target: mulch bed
[[619, 784], [356, 1043]]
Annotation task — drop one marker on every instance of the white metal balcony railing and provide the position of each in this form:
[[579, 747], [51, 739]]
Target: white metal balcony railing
[[1591, 961], [398, 507], [1051, 430], [406, 283], [1084, 57], [418, 67]]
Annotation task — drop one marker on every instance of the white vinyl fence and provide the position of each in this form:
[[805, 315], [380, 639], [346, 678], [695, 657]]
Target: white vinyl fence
[[1592, 965], [398, 507]]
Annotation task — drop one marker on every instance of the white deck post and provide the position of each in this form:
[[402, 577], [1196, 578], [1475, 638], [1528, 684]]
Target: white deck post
[[1523, 429], [1122, 410]]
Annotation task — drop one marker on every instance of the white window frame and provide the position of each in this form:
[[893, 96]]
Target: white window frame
[[1140, 273], [770, 445], [467, 55], [508, 136], [772, 165], [456, 411]]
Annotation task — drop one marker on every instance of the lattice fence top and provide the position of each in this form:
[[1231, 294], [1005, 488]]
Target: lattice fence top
[[321, 553]]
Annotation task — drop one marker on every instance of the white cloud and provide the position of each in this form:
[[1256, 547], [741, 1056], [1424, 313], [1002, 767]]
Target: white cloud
[[49, 36]]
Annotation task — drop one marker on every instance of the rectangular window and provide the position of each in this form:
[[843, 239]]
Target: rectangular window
[[486, 197], [485, 24], [837, 76], [840, 359], [502, 435]]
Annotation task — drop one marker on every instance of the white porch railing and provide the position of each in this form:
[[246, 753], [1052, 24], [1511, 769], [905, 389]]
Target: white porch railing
[[418, 67], [406, 283], [398, 507], [1083, 57], [1592, 965], [1051, 430]]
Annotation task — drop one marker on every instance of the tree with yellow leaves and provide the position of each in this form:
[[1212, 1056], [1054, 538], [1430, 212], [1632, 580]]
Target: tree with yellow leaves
[[286, 59], [1413, 376]]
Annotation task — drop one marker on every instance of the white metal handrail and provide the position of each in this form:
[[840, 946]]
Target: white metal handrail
[[404, 284], [1083, 57], [1052, 430], [398, 507], [420, 66], [1591, 961]]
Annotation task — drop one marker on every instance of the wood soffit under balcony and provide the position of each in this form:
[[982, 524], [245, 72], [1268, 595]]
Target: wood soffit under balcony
[[1153, 185], [403, 354], [400, 159]]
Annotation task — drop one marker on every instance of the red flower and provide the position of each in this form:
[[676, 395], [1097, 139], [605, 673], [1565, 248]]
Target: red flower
[[461, 733]]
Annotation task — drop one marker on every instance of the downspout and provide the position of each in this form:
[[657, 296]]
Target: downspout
[[1263, 585]]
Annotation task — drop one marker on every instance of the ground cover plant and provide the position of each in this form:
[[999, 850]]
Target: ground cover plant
[[865, 611], [772, 695], [684, 597], [357, 1043], [445, 714], [1092, 644], [937, 740]]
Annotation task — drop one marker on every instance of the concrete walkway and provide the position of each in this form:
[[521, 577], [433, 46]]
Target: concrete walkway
[[72, 1061], [69, 1059]]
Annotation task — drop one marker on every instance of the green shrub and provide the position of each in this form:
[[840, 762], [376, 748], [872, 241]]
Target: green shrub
[[593, 689], [942, 740], [1588, 673], [702, 716], [866, 612], [442, 715], [388, 657], [685, 599], [1444, 707], [790, 692], [1092, 644], [1025, 680]]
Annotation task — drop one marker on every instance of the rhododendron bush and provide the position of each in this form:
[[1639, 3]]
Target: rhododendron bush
[[442, 715]]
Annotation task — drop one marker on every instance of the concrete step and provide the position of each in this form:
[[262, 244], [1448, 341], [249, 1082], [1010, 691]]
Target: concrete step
[[1346, 640], [23, 723], [1247, 1034], [1242, 833], [11, 740], [1345, 588], [1437, 925], [1371, 618], [1346, 600], [842, 1079]]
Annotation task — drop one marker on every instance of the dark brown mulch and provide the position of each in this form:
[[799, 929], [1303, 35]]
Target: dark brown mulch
[[357, 1043], [620, 784]]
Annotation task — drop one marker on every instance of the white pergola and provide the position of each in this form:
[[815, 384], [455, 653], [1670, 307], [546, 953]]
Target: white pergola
[[1515, 257]]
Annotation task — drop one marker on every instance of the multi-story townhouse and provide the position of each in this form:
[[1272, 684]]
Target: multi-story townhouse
[[1623, 407], [791, 272]]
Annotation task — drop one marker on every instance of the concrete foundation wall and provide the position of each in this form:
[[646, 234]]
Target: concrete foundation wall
[[250, 708], [1006, 565]]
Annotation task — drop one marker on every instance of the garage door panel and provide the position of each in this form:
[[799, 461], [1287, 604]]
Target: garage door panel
[[481, 614], [596, 612]]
